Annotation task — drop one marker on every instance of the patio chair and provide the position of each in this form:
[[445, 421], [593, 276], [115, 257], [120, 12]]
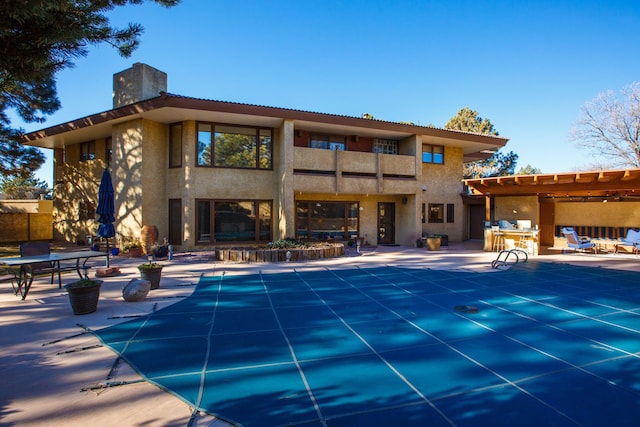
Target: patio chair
[[36, 269], [632, 239], [12, 275], [578, 243], [498, 238]]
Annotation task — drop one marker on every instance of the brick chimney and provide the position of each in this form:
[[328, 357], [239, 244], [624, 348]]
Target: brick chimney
[[137, 83]]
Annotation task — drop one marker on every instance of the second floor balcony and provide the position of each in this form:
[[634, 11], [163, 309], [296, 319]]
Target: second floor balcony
[[319, 170]]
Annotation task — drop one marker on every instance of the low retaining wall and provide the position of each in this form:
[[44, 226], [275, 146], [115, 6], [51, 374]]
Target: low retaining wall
[[278, 255]]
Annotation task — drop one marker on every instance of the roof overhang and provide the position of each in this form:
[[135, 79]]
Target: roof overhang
[[168, 108], [608, 183]]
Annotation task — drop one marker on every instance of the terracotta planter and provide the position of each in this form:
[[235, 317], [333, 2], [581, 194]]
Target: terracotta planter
[[84, 299], [135, 252], [148, 237], [433, 243], [153, 275]]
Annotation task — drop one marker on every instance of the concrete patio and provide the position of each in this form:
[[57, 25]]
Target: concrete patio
[[52, 371]]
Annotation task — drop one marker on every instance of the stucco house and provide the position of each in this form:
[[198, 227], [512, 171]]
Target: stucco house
[[209, 172]]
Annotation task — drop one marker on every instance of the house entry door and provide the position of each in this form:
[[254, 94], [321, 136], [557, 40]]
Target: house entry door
[[386, 223], [476, 221]]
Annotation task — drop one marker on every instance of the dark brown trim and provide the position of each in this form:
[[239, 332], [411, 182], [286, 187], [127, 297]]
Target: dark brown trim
[[166, 100]]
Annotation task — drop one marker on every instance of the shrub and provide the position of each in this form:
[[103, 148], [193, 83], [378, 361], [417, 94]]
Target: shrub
[[287, 243]]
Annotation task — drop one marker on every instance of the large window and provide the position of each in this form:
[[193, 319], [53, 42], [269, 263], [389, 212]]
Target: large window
[[328, 142], [229, 146], [318, 220], [432, 154], [233, 220]]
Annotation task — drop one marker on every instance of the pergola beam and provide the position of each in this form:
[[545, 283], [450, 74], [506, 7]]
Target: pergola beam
[[596, 184]]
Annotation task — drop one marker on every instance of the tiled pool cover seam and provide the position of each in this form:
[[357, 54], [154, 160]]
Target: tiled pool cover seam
[[303, 377], [376, 353], [445, 343], [626, 354]]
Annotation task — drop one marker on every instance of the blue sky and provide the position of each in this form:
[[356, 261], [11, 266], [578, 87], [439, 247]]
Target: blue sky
[[528, 66]]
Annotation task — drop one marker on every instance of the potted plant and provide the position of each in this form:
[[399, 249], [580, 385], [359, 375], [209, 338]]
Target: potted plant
[[84, 295], [160, 251], [133, 248], [151, 271]]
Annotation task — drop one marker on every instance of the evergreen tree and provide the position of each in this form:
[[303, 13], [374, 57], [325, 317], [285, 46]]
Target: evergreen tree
[[39, 38], [498, 164]]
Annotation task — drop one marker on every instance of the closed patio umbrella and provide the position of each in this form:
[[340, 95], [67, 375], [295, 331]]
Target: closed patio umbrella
[[106, 209]]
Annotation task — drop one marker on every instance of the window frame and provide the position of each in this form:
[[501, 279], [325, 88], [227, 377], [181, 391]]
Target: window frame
[[87, 151], [108, 151], [385, 146], [175, 221], [258, 144], [211, 225], [436, 213], [175, 147], [331, 141], [350, 207], [433, 151], [450, 213]]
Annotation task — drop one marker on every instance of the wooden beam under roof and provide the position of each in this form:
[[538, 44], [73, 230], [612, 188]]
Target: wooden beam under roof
[[591, 183]]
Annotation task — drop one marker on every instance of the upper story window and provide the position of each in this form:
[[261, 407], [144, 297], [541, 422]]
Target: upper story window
[[328, 142], [433, 154], [175, 145], [230, 146], [385, 146], [87, 151]]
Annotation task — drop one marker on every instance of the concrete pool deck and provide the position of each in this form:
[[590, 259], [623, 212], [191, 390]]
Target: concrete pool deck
[[46, 365]]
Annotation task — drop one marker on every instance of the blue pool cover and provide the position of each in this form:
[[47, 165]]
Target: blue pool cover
[[539, 344]]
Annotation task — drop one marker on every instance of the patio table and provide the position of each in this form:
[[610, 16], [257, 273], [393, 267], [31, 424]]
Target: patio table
[[55, 259], [606, 245]]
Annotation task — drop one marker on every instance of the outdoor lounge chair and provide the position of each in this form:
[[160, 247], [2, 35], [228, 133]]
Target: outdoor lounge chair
[[578, 243], [632, 239]]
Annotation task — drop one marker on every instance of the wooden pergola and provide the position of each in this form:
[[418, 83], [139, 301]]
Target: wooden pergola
[[592, 186], [617, 185]]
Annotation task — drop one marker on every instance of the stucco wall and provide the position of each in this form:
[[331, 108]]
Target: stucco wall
[[611, 214], [127, 177], [75, 194], [24, 220], [515, 208], [140, 164], [181, 182], [284, 206], [443, 186], [155, 162]]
